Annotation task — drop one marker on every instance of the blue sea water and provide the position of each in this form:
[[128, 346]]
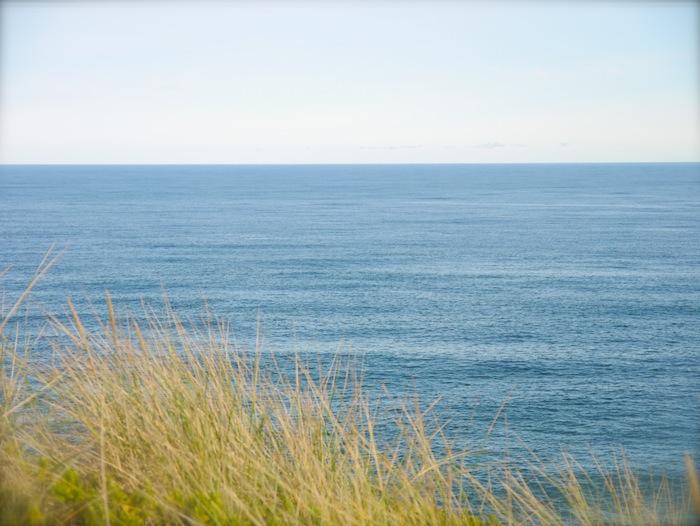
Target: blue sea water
[[569, 291]]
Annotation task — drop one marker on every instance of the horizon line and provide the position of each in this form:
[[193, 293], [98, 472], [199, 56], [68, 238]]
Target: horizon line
[[336, 163]]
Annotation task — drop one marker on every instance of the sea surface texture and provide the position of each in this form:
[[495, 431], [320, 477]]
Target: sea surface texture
[[569, 293]]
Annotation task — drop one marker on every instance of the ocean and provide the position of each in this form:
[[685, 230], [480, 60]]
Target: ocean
[[566, 294]]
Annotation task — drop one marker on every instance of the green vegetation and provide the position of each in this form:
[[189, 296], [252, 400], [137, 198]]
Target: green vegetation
[[167, 424]]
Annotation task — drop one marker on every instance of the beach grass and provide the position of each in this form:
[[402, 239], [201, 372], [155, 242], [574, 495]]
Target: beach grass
[[166, 422]]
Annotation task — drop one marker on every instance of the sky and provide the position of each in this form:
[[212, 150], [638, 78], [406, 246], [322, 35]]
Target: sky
[[349, 82]]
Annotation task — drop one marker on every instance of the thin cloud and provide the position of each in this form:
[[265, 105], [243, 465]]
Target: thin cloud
[[494, 144], [490, 145], [392, 147]]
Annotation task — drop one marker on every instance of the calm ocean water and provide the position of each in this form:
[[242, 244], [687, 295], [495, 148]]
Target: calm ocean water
[[571, 291]]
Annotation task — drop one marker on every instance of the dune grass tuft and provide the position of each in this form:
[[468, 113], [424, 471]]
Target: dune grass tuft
[[167, 423]]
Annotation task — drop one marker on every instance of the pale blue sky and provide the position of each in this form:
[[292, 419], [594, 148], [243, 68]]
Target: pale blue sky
[[358, 82]]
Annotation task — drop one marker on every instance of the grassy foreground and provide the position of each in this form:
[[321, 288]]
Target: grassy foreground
[[168, 424]]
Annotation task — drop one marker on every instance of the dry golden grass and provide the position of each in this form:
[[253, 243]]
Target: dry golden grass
[[167, 423]]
